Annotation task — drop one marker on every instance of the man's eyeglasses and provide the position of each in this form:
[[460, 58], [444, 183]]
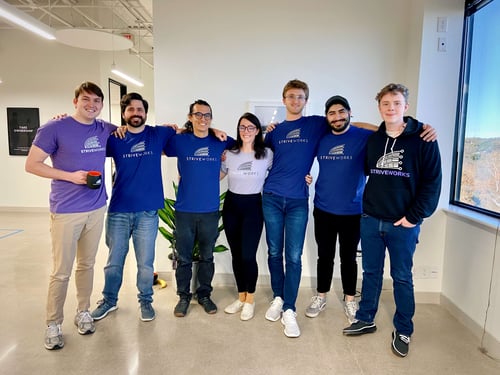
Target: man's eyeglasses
[[199, 115], [249, 128], [293, 97]]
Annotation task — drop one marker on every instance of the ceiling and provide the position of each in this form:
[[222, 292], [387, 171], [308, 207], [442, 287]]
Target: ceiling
[[131, 18]]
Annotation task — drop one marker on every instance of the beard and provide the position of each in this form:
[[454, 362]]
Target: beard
[[136, 124], [334, 125]]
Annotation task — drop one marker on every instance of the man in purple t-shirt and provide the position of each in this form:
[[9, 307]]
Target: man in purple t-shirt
[[75, 145]]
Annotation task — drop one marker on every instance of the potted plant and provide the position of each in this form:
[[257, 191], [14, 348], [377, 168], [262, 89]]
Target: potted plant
[[167, 216]]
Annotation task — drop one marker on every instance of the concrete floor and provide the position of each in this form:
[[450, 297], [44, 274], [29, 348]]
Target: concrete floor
[[202, 343]]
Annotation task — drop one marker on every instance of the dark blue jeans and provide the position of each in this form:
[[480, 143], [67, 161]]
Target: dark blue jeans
[[376, 236], [285, 220], [189, 228]]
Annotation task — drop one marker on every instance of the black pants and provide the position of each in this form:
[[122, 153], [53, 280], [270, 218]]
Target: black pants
[[243, 223], [327, 227]]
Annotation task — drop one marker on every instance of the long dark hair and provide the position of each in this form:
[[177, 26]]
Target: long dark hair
[[258, 146]]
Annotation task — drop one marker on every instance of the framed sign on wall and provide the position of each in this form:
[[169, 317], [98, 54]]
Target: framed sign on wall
[[22, 124]]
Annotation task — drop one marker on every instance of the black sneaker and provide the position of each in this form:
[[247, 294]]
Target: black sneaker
[[182, 307], [208, 305], [400, 344], [359, 328]]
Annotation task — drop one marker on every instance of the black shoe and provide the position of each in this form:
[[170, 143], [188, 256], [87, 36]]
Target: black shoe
[[208, 305], [182, 307], [359, 328], [400, 344]]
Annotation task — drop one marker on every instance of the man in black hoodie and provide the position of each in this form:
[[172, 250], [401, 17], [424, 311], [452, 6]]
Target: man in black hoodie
[[403, 188]]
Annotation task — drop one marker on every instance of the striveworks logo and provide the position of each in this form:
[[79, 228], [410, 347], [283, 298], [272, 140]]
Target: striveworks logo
[[92, 144], [247, 166], [139, 147], [337, 150], [204, 151], [293, 137], [293, 134], [391, 160]]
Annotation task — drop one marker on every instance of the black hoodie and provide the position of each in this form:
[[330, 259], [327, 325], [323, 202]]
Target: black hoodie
[[404, 175]]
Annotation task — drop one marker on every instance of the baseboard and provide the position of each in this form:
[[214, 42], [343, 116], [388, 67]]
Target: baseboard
[[488, 344], [36, 210]]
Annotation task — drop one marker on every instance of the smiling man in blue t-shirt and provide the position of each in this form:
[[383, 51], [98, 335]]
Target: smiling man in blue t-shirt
[[199, 155]]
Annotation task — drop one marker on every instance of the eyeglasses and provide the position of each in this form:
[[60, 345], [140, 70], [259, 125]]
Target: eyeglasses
[[199, 115], [249, 128], [293, 97]]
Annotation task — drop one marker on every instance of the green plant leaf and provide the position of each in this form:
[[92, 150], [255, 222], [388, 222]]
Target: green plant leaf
[[168, 235], [220, 249]]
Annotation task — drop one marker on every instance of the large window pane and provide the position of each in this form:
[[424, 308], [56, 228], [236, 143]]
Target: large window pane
[[477, 181]]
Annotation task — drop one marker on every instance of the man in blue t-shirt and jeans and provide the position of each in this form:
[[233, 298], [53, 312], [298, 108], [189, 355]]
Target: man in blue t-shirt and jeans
[[137, 159], [199, 157]]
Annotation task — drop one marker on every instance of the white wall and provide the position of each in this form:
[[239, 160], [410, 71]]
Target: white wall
[[235, 52], [43, 74]]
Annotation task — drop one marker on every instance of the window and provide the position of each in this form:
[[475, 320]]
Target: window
[[476, 182]]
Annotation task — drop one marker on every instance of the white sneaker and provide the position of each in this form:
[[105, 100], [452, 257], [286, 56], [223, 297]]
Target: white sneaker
[[273, 313], [350, 308], [84, 322], [234, 307], [53, 336], [248, 311], [317, 305], [289, 320]]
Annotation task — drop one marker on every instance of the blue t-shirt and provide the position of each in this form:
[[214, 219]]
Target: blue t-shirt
[[74, 146], [138, 183], [199, 163], [341, 178], [294, 144]]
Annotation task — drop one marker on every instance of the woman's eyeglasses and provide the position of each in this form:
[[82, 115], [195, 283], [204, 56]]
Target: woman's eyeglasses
[[249, 128]]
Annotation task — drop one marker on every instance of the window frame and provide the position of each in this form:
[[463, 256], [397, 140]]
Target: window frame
[[471, 7]]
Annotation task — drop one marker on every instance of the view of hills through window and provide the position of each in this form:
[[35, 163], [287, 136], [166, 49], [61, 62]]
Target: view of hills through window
[[479, 183]]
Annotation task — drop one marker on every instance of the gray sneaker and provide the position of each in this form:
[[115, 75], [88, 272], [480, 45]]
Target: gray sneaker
[[53, 336], [147, 312], [317, 305], [103, 309], [350, 308], [84, 322]]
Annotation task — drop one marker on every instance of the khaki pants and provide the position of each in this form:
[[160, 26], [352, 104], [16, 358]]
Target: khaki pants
[[73, 235]]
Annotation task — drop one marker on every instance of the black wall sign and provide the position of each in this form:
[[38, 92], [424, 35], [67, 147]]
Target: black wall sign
[[22, 125]]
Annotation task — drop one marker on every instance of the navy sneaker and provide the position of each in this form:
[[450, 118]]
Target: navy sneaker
[[103, 309], [359, 328], [400, 344], [182, 306], [147, 312], [208, 305]]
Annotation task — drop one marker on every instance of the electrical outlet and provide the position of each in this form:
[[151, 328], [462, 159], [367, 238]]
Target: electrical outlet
[[425, 272], [442, 44]]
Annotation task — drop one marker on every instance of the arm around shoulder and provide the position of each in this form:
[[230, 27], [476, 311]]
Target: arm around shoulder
[[365, 125]]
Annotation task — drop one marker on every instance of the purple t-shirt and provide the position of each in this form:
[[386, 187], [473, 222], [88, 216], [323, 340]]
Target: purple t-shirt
[[74, 146]]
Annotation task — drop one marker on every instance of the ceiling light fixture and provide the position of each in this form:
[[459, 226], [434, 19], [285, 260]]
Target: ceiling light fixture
[[13, 15], [126, 76]]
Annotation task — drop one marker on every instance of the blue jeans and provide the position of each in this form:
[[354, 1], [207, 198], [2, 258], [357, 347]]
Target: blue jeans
[[286, 221], [376, 236], [192, 227], [142, 227]]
